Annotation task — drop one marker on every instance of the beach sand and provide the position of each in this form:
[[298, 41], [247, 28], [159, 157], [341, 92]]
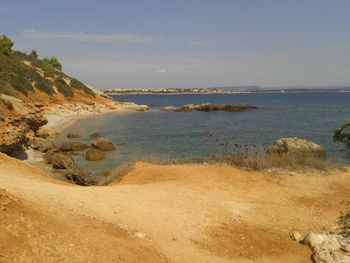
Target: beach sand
[[166, 213]]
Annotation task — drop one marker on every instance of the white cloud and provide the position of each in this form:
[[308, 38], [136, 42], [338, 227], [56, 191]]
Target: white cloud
[[83, 37], [161, 71]]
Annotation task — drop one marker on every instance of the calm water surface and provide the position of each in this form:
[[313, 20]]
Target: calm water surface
[[312, 116]]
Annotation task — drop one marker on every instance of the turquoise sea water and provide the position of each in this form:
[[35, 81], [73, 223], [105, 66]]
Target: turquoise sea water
[[312, 116]]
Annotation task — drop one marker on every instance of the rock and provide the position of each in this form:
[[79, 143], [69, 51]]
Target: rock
[[42, 145], [59, 161], [95, 135], [103, 144], [295, 236], [326, 256], [207, 107], [73, 146], [131, 106], [47, 134], [315, 241], [34, 120], [169, 108], [296, 146], [94, 155], [13, 136], [73, 135]]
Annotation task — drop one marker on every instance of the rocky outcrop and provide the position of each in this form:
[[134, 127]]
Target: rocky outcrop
[[296, 146], [94, 155], [207, 107], [95, 135], [130, 106], [15, 133], [327, 248], [102, 144]]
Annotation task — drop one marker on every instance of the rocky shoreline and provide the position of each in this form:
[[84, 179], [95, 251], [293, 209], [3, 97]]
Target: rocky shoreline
[[208, 107]]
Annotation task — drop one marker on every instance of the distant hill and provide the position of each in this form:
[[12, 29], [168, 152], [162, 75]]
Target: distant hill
[[23, 76]]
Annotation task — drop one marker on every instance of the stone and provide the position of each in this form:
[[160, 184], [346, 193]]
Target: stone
[[329, 242], [296, 236], [169, 108], [296, 146], [47, 134], [59, 161], [94, 155], [103, 144], [73, 146], [73, 135], [42, 145]]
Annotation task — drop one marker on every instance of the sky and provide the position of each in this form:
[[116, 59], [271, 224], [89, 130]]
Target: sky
[[187, 43]]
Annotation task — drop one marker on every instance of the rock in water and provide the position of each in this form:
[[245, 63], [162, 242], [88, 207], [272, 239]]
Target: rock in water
[[95, 135], [296, 146], [46, 134], [94, 155], [103, 144], [59, 161], [73, 146], [73, 135]]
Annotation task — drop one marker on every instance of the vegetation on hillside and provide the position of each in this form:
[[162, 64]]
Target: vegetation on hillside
[[22, 73]]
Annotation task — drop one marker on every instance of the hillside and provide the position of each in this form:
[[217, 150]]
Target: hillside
[[31, 79]]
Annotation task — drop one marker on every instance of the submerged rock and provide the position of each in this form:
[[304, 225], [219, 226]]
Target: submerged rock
[[94, 155], [73, 135], [103, 144], [296, 146], [95, 135], [73, 146]]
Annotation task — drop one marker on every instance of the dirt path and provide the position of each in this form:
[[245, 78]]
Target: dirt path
[[183, 213]]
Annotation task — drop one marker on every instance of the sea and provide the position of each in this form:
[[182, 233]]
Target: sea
[[206, 135]]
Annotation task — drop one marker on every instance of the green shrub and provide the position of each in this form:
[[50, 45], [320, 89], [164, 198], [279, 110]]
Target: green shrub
[[53, 61], [343, 134], [76, 84], [6, 45]]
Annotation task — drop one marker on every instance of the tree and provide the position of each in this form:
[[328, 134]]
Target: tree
[[33, 54], [6, 45], [53, 61]]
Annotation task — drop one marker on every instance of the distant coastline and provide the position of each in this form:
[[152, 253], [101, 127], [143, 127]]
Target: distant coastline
[[209, 92]]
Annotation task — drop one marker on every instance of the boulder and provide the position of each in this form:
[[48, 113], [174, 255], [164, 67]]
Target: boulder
[[46, 134], [59, 161], [42, 145], [94, 155], [73, 146], [187, 107], [73, 135], [103, 144], [296, 146]]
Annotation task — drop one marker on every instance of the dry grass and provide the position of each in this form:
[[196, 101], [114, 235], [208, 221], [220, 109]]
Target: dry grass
[[251, 158]]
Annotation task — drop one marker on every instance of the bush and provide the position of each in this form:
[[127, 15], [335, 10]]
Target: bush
[[6, 45], [33, 54], [53, 61], [343, 134], [76, 84]]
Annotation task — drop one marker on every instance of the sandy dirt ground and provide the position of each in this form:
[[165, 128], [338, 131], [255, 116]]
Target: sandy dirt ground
[[173, 213]]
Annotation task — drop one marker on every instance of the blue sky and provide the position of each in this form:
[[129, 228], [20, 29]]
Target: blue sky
[[187, 43]]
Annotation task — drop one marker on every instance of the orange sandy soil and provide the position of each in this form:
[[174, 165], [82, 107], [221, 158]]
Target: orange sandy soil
[[172, 213]]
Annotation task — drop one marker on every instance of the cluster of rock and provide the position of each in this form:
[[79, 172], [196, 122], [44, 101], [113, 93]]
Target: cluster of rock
[[207, 107], [60, 156], [296, 146], [130, 106], [326, 248]]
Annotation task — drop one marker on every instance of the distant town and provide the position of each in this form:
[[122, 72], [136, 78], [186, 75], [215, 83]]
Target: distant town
[[226, 90]]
